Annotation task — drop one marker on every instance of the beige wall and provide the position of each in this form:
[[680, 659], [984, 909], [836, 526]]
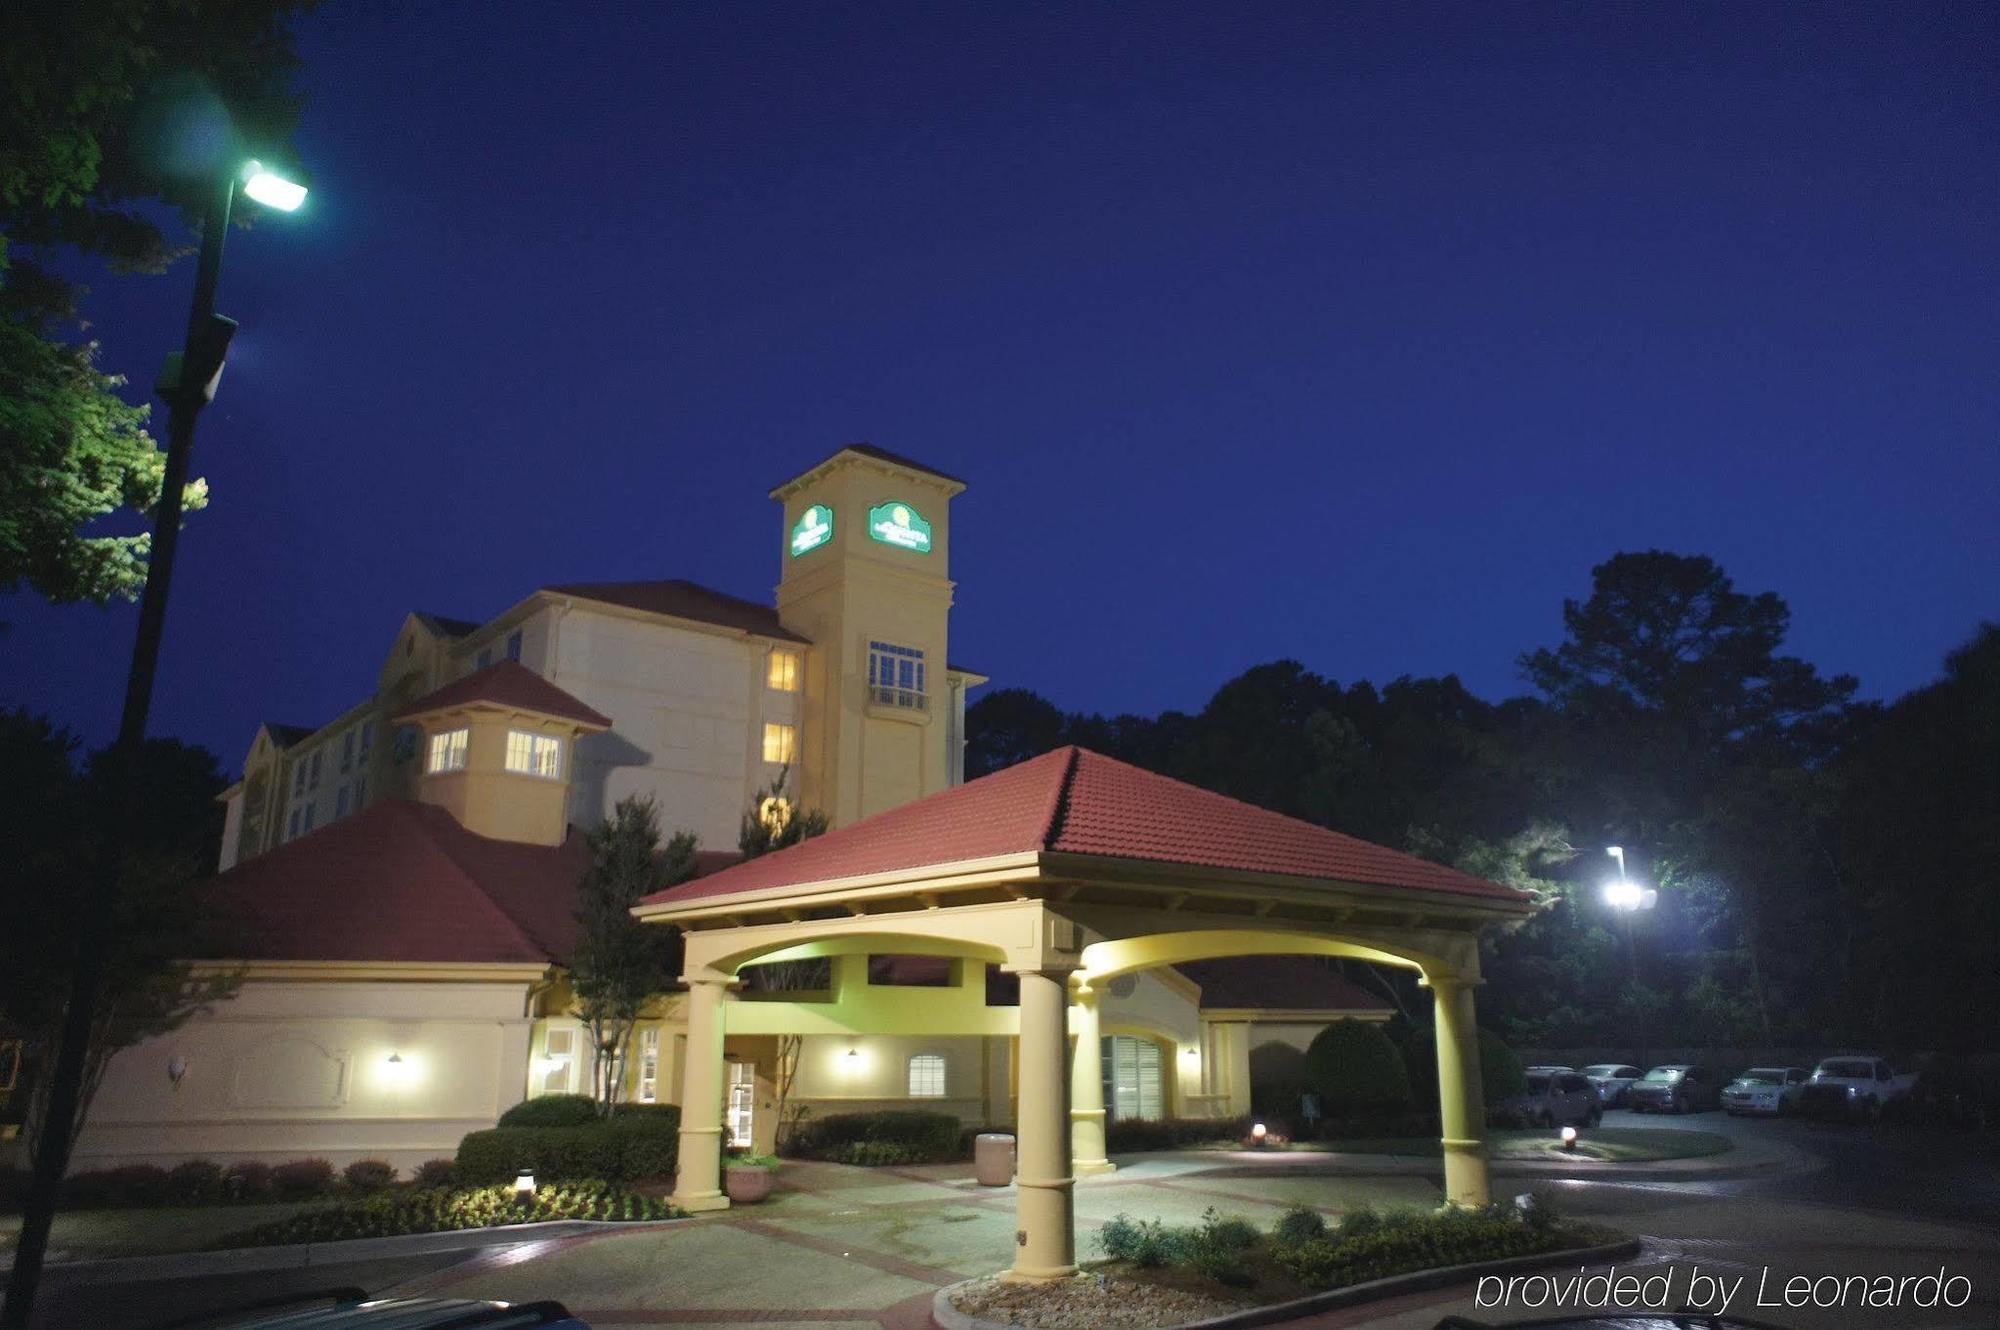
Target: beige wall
[[289, 1070]]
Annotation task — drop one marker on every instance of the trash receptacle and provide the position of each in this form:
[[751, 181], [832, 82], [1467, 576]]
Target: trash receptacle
[[993, 1158]]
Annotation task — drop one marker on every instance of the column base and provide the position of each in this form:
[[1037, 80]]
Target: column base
[[1034, 1276], [1084, 1168], [700, 1201]]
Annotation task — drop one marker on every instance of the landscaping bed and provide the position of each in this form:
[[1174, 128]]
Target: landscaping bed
[[1602, 1144], [447, 1209], [1154, 1275]]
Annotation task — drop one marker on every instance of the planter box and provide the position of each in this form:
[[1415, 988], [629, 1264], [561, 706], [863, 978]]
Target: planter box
[[748, 1184]]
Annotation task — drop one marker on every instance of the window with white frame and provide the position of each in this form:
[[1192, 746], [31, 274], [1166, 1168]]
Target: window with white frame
[[347, 752], [927, 1076], [340, 801], [298, 779], [649, 1064], [312, 773], [558, 1059], [896, 676], [783, 671], [534, 754], [447, 751], [781, 742], [514, 646], [292, 824], [312, 816]]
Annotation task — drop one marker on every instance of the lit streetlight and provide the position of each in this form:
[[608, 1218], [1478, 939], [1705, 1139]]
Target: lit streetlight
[[187, 383]]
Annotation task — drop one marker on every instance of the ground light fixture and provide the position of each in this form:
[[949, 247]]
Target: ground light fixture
[[1257, 1134], [1569, 1138], [524, 1185]]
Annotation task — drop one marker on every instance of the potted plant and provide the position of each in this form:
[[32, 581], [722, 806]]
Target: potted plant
[[748, 1179]]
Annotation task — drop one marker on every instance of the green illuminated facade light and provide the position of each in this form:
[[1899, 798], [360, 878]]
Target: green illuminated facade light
[[813, 529], [900, 525]]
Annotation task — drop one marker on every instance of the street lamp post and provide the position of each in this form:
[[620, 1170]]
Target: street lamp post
[[187, 385], [1628, 898]]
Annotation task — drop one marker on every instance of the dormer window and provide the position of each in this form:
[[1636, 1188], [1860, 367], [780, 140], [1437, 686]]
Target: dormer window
[[447, 752], [534, 754]]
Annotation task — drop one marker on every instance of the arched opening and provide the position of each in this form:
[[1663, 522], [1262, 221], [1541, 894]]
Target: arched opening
[[1107, 959]]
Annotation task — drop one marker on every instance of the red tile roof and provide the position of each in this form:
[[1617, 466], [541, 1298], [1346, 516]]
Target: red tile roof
[[685, 600], [1277, 983], [1074, 801], [401, 881], [508, 683]]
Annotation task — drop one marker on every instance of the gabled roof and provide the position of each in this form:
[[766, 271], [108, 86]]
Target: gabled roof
[[1073, 801], [401, 881], [444, 625], [509, 684], [1277, 983], [685, 600], [284, 736]]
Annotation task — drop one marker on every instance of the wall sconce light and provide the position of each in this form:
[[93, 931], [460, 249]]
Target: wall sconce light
[[524, 1186]]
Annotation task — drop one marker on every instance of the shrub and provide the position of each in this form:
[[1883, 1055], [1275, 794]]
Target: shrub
[[1145, 1243], [551, 1110], [1127, 1135], [301, 1179], [127, 1186], [369, 1174], [196, 1182], [388, 1213], [1357, 1072], [1373, 1244], [1220, 1248], [639, 1147], [247, 1180], [1299, 1224], [903, 1136], [433, 1173], [1500, 1071]]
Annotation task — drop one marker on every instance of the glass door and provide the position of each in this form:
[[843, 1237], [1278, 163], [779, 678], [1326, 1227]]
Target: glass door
[[742, 1112]]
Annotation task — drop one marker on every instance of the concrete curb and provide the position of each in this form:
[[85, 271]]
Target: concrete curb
[[948, 1317], [298, 1256]]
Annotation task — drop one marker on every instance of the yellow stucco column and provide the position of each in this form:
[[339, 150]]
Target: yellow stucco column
[[1045, 1203], [698, 1179], [1461, 1098], [1086, 1088]]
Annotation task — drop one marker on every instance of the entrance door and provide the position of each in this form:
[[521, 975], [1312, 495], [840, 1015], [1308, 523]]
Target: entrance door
[[1133, 1085], [742, 1113]]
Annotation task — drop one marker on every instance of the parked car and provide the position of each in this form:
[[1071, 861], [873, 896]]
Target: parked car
[[1612, 1080], [1853, 1085], [1772, 1090], [1560, 1099], [1548, 1071], [1677, 1087]]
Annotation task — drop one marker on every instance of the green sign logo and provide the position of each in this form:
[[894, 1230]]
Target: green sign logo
[[813, 529], [900, 525]]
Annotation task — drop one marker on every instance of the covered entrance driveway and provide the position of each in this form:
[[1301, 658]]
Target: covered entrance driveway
[[1070, 871]]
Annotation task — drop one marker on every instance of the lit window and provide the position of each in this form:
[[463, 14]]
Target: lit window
[[514, 646], [896, 676], [312, 776], [783, 673], [927, 1076], [781, 742], [649, 1064], [558, 1057], [347, 751], [534, 754], [448, 751]]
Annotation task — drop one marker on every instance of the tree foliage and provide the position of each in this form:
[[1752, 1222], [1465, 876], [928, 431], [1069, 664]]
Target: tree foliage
[[109, 109], [1356, 1071], [49, 841], [618, 963]]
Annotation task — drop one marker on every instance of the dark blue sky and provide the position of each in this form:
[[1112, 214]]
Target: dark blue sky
[[1350, 333]]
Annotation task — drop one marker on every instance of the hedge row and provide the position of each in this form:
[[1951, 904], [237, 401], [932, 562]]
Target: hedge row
[[1129, 1135], [205, 1182], [437, 1211], [904, 1136], [630, 1147]]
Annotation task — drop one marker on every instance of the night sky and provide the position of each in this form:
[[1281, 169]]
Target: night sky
[[1351, 333]]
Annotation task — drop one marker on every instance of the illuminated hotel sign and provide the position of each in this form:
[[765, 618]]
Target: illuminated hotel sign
[[815, 527], [900, 525]]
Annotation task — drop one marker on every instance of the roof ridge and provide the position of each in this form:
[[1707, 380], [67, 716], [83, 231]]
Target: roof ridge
[[437, 842], [1059, 810]]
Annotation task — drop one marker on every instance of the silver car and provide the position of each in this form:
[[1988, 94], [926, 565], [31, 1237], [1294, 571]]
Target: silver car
[[1612, 1080], [1559, 1099], [1765, 1090]]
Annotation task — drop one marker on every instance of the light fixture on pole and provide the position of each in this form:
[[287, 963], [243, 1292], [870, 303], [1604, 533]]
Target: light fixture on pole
[[187, 384]]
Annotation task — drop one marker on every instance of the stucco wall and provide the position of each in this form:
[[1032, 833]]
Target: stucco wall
[[287, 1070]]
